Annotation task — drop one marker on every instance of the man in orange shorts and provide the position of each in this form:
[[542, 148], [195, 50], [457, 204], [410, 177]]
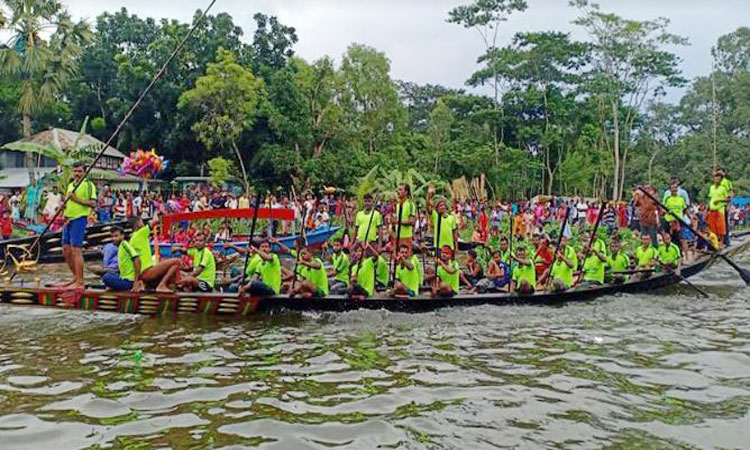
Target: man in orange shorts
[[717, 203]]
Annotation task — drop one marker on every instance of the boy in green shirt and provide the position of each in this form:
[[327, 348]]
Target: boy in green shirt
[[561, 272], [523, 278], [367, 218], [669, 255], [339, 271], [164, 273], [363, 272], [408, 274], [203, 276], [314, 279], [646, 257], [129, 265], [446, 281], [617, 262], [595, 262], [269, 271]]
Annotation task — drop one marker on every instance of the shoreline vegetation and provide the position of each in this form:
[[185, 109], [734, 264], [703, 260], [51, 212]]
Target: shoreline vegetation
[[577, 118]]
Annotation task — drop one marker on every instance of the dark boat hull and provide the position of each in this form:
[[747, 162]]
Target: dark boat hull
[[229, 305]]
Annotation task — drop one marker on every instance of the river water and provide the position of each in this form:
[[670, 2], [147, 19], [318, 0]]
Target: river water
[[664, 370]]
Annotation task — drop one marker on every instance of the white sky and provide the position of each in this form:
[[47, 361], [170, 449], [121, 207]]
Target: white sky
[[421, 45]]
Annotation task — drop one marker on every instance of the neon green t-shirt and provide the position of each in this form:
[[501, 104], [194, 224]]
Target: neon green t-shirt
[[382, 270], [270, 272], [727, 185], [593, 269], [407, 209], [451, 279], [341, 267], [669, 254], [141, 242], [524, 272], [318, 277], [447, 225], [363, 220], [253, 264], [204, 258], [645, 255], [618, 262], [716, 195], [365, 275], [411, 278], [563, 272], [86, 191], [126, 256], [676, 206]]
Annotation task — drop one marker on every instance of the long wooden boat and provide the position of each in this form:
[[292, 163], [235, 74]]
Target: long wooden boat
[[230, 305]]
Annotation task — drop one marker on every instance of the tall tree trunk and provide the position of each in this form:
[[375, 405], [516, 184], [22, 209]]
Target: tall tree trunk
[[242, 167], [29, 158], [616, 150], [651, 162]]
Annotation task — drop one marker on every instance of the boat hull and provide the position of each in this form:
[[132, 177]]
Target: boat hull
[[230, 305]]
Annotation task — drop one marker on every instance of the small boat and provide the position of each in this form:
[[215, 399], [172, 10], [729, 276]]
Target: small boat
[[50, 248], [315, 238], [231, 305]]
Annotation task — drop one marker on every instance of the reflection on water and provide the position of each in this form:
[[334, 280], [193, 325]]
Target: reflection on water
[[667, 370]]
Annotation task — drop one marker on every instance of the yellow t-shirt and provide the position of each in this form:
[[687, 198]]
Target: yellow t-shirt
[[407, 209], [86, 191]]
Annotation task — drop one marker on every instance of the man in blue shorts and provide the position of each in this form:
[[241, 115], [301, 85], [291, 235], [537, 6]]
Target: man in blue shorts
[[77, 210]]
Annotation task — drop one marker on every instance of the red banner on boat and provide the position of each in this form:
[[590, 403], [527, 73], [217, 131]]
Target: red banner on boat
[[263, 213]]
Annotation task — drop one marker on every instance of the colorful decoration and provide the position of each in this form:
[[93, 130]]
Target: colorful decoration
[[144, 164]]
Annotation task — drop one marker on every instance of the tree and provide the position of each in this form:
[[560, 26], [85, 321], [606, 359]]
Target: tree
[[438, 131], [485, 16], [272, 43], [220, 171], [629, 64], [542, 67], [42, 67], [225, 102], [373, 111]]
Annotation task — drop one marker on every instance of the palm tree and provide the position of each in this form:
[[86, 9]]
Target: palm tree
[[41, 67]]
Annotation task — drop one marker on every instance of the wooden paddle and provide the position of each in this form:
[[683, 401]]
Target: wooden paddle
[[250, 239], [744, 274], [591, 240], [302, 239], [395, 245]]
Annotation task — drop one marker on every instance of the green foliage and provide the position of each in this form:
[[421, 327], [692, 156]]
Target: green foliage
[[220, 171]]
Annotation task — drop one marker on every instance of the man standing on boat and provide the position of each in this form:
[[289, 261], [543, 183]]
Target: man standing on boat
[[77, 210], [718, 197], [448, 222], [406, 215], [367, 219]]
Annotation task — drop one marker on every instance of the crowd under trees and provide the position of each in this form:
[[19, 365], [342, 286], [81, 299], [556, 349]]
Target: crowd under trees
[[564, 117]]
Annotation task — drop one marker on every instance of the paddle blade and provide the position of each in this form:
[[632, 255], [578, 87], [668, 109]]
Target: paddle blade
[[745, 274]]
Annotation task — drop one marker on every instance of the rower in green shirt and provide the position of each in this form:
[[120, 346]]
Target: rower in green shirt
[[408, 273], [314, 279], [203, 276], [562, 269], [163, 274], [618, 261], [128, 263], [669, 255], [595, 263], [523, 278], [363, 272], [446, 281], [268, 270], [646, 257], [339, 272]]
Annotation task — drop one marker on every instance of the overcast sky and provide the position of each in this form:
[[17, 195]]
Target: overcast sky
[[421, 45]]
